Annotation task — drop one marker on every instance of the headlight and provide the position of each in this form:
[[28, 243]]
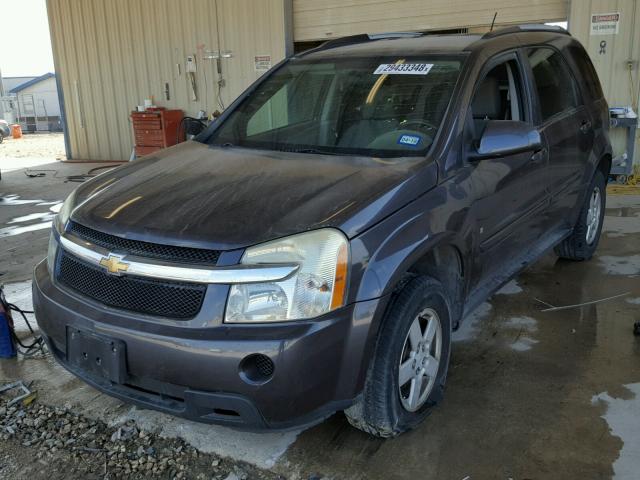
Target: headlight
[[318, 286], [60, 220]]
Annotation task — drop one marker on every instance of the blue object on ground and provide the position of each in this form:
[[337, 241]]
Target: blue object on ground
[[7, 346]]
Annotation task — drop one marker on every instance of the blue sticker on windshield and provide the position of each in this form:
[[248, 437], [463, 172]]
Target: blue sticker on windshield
[[411, 140]]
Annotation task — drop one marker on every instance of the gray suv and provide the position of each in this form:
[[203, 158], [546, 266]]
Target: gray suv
[[314, 248]]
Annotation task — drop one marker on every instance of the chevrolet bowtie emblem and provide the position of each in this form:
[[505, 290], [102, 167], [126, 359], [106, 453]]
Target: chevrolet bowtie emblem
[[114, 264]]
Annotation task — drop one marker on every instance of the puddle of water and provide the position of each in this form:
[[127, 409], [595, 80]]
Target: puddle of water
[[470, 326], [15, 200], [524, 323], [523, 326], [11, 231], [622, 212], [621, 221], [614, 265], [43, 218], [619, 226], [523, 344], [33, 216], [623, 417], [510, 288]]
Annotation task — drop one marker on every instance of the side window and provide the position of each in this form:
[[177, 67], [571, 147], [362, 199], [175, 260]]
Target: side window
[[587, 71], [498, 96], [287, 107], [557, 90], [271, 115]]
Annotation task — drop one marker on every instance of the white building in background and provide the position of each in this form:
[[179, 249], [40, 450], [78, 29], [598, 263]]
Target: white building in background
[[32, 102], [2, 115]]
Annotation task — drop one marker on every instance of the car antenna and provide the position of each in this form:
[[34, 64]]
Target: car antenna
[[493, 21]]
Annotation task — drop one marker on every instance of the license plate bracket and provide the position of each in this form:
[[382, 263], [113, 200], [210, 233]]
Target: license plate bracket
[[97, 355]]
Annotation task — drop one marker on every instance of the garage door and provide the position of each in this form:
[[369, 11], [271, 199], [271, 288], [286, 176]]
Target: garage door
[[315, 20]]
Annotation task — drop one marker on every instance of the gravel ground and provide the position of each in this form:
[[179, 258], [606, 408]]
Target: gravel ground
[[42, 442], [50, 145]]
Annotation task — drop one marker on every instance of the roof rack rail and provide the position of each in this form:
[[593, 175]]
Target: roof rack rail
[[364, 37], [530, 27]]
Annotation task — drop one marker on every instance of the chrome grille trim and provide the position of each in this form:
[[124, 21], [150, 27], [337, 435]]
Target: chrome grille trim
[[150, 268]]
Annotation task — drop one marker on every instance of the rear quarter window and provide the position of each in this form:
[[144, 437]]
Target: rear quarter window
[[586, 71]]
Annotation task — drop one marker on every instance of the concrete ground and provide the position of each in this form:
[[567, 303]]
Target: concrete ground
[[532, 394]]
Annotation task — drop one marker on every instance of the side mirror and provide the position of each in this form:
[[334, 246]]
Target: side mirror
[[507, 137]]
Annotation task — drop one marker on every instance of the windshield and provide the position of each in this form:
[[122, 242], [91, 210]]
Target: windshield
[[386, 107]]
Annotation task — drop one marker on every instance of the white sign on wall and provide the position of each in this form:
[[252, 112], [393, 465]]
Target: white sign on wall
[[262, 62], [605, 23]]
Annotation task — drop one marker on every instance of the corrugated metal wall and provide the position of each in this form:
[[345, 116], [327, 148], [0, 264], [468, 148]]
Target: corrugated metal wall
[[317, 20], [621, 86], [112, 54]]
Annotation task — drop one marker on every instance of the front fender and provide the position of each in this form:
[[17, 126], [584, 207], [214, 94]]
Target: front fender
[[383, 254]]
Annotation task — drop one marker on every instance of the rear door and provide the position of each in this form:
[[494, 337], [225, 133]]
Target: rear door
[[565, 125]]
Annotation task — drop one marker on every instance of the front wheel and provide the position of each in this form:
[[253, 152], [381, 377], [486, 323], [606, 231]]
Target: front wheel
[[582, 243], [408, 371]]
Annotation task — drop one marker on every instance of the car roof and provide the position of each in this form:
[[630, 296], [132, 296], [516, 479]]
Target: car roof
[[397, 46], [415, 43]]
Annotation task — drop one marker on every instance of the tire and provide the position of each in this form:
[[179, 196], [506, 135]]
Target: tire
[[1, 138], [384, 408], [583, 241]]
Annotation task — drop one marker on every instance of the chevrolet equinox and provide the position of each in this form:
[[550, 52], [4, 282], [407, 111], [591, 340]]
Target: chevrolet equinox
[[313, 249]]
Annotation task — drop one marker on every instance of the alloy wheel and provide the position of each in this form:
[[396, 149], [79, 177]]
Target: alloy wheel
[[420, 360], [593, 215]]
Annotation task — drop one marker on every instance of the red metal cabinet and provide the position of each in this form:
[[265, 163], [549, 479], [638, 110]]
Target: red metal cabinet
[[154, 130]]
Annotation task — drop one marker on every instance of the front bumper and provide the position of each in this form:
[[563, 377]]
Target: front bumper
[[192, 369]]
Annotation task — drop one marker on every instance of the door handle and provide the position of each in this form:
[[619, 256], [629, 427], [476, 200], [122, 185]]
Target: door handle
[[585, 126], [539, 155]]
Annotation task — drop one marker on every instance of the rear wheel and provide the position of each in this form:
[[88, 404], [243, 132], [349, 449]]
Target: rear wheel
[[582, 243], [408, 371], [1, 138]]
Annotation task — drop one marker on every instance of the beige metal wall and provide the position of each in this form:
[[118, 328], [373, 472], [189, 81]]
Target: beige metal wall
[[621, 85], [112, 54], [321, 19]]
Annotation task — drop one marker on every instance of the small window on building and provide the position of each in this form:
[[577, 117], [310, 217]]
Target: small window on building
[[557, 90]]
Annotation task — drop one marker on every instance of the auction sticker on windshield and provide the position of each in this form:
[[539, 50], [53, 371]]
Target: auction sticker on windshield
[[403, 69]]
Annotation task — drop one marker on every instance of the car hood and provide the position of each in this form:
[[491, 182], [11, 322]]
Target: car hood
[[225, 198]]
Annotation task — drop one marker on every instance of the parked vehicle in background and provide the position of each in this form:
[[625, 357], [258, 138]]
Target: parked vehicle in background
[[5, 131], [313, 250]]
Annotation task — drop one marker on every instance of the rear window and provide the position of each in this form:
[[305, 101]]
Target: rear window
[[385, 106], [587, 71], [557, 90]]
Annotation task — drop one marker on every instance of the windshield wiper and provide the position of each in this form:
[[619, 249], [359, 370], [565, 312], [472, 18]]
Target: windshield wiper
[[312, 150]]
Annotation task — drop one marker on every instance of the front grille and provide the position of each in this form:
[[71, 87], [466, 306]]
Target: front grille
[[145, 249], [153, 297]]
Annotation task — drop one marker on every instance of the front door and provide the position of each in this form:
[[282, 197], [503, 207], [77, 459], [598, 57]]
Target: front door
[[510, 194]]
